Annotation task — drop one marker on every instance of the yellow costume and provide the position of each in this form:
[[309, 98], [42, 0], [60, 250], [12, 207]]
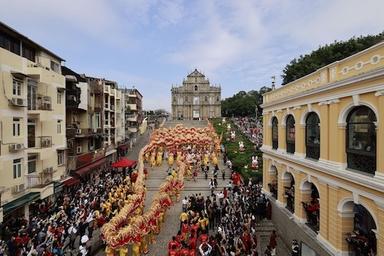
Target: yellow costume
[[123, 251], [170, 159], [159, 159], [153, 159], [109, 251], [136, 249]]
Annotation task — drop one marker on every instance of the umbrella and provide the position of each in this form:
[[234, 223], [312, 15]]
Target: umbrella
[[124, 162]]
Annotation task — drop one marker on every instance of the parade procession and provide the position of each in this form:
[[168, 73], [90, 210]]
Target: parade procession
[[133, 230]]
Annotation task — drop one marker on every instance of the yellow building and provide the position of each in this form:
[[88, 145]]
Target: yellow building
[[32, 122], [324, 156]]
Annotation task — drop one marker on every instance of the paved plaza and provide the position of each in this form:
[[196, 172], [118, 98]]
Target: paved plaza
[[157, 175]]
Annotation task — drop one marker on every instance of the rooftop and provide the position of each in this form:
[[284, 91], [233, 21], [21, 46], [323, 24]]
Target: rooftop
[[366, 61]]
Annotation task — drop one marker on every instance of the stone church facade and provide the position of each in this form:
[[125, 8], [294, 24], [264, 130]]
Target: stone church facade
[[196, 99]]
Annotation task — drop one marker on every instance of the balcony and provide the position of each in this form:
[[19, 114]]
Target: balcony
[[40, 142], [75, 162], [41, 102], [72, 132], [97, 89], [40, 180]]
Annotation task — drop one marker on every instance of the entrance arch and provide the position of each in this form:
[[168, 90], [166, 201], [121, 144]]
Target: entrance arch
[[359, 227], [289, 191], [311, 205]]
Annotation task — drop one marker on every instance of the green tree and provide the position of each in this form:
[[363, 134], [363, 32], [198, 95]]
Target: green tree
[[244, 103], [327, 54]]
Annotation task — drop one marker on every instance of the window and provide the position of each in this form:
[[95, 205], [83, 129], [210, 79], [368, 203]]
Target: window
[[312, 131], [60, 157], [290, 129], [361, 140], [195, 100], [275, 133], [59, 97], [32, 163], [196, 88], [218, 99], [97, 120], [55, 66], [206, 98], [17, 168], [31, 94], [16, 126], [9, 43], [58, 126], [17, 85], [28, 53]]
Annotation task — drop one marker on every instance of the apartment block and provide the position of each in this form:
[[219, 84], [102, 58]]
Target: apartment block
[[133, 110], [32, 123]]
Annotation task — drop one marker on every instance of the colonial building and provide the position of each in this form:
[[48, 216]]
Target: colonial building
[[323, 161], [196, 98], [32, 123]]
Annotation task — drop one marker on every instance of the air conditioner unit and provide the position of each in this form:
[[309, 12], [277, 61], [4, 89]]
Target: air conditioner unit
[[48, 170], [17, 188], [47, 106], [15, 147], [46, 143], [19, 102], [78, 131]]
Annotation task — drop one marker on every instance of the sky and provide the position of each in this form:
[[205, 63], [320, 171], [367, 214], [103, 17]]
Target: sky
[[154, 44]]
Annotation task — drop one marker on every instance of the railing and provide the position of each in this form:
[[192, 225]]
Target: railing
[[40, 142], [273, 189], [41, 102], [313, 215], [39, 180]]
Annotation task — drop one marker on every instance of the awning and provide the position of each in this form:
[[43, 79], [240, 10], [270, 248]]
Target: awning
[[124, 162], [71, 182], [21, 201], [84, 170], [58, 187]]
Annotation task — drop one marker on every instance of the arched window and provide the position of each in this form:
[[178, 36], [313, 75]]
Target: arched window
[[312, 136], [361, 139], [290, 134], [196, 87], [275, 133]]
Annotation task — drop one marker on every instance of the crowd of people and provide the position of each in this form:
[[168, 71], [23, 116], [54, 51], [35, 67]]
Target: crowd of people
[[69, 223], [252, 128], [223, 223]]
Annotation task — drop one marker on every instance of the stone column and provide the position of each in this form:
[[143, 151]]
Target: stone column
[[380, 136], [345, 225], [300, 139], [282, 201], [301, 195], [282, 135], [323, 192], [380, 226], [324, 136], [334, 221], [333, 131], [266, 167]]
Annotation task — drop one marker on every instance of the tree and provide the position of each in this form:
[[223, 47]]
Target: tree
[[244, 103], [327, 54]]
